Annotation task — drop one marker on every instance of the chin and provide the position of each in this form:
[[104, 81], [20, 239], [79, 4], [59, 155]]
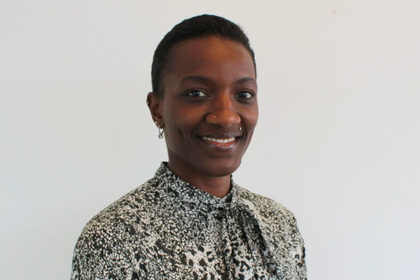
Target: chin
[[220, 168]]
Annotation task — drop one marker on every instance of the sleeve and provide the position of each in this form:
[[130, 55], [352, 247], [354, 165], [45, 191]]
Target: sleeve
[[100, 254], [299, 254]]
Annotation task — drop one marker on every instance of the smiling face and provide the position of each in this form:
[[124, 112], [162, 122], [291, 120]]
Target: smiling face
[[209, 107]]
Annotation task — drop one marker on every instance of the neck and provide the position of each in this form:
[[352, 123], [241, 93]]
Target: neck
[[216, 185]]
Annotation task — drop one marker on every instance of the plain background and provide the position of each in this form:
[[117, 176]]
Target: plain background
[[337, 140]]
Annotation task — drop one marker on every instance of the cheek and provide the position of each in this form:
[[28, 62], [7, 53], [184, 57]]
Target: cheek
[[179, 121], [251, 118], [256, 114]]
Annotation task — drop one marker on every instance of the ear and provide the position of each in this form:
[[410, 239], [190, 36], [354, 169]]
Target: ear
[[155, 106]]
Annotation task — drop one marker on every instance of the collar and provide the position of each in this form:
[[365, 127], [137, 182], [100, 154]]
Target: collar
[[234, 202], [184, 192]]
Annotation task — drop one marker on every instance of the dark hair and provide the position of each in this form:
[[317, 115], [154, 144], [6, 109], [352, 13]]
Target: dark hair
[[195, 27]]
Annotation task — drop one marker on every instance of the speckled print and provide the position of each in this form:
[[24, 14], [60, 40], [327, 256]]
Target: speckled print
[[168, 229]]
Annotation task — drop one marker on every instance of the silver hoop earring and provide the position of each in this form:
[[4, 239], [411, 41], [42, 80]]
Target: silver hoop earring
[[160, 135], [160, 131]]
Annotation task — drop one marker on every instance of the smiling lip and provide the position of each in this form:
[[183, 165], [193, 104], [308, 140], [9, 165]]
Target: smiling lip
[[220, 140], [223, 142]]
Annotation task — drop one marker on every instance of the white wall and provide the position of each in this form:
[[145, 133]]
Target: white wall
[[337, 142]]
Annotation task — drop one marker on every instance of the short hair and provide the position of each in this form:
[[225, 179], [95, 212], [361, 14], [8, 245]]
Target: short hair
[[196, 27]]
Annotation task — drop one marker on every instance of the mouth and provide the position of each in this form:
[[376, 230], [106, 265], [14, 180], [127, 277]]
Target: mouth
[[220, 142]]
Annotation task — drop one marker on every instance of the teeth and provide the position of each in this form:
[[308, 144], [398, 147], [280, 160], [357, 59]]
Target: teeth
[[218, 140]]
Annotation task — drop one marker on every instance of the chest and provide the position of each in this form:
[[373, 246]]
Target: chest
[[203, 245]]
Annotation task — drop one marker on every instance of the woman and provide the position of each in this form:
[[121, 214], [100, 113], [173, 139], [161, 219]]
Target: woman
[[191, 221]]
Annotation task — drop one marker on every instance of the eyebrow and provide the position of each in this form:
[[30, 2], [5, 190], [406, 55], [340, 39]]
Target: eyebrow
[[203, 79], [195, 78], [247, 80]]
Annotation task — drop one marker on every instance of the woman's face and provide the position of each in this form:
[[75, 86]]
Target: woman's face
[[209, 108]]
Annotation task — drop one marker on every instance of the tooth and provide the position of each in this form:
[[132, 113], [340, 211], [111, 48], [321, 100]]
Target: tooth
[[224, 140]]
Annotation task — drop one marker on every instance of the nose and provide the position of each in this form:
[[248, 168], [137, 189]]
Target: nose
[[223, 112]]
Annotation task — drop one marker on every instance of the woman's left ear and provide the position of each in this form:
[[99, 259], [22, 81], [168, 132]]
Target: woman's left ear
[[154, 103]]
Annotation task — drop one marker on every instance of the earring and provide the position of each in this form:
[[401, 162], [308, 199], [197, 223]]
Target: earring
[[160, 130], [240, 128]]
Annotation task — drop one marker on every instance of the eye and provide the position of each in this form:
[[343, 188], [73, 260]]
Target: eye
[[245, 94], [196, 93]]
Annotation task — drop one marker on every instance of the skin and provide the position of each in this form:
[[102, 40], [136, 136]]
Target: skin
[[210, 91]]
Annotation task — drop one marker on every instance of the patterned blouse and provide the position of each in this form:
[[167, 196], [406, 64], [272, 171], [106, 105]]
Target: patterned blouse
[[168, 229]]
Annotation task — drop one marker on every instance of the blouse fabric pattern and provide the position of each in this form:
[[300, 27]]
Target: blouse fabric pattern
[[168, 229]]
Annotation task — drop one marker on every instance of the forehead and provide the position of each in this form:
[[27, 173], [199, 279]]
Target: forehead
[[210, 56]]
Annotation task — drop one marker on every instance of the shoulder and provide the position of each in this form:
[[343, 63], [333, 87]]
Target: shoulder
[[265, 206], [275, 220], [279, 228], [104, 244], [118, 217]]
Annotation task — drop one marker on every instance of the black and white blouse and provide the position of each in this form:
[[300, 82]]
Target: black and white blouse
[[168, 229]]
